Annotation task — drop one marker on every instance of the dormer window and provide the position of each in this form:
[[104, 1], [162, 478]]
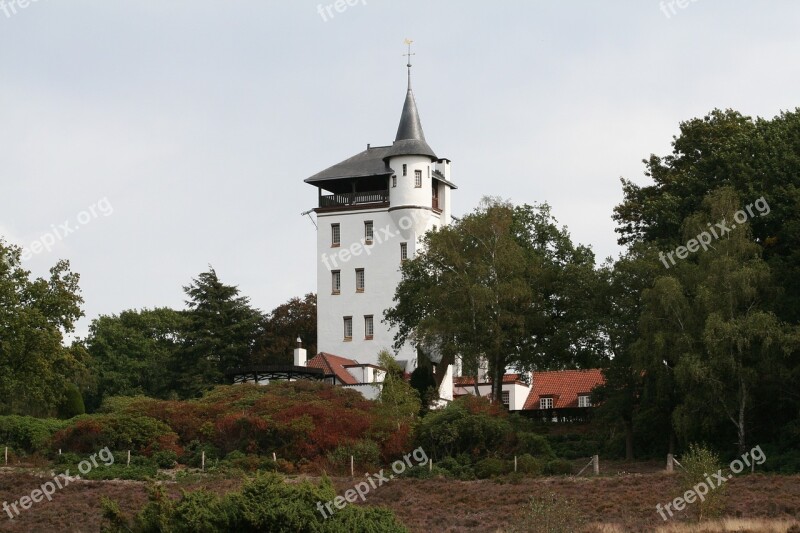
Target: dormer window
[[584, 401], [545, 403]]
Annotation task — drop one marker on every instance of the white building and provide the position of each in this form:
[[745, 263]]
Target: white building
[[373, 208]]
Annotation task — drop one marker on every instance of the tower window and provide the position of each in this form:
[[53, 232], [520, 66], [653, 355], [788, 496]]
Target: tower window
[[403, 251], [359, 280], [336, 281], [336, 235], [348, 328], [394, 181], [417, 178], [368, 231], [506, 398], [369, 327], [429, 172], [405, 170]]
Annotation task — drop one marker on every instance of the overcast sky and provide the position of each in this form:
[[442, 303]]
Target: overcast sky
[[177, 134]]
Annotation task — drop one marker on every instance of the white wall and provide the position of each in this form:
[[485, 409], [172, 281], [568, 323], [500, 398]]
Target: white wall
[[380, 262], [369, 391], [517, 393]]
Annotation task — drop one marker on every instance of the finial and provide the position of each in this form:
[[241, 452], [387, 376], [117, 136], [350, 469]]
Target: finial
[[409, 54]]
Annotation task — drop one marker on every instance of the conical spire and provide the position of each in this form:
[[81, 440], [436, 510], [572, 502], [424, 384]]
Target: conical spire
[[410, 139], [410, 125]]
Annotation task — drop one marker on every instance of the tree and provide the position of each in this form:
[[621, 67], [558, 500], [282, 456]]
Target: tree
[[35, 367], [757, 161], [505, 284], [398, 402], [282, 326], [741, 340], [618, 400], [133, 352], [220, 333]]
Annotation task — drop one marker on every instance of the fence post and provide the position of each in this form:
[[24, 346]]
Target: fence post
[[274, 458], [430, 465], [129, 458], [352, 474], [596, 461], [6, 455], [670, 465], [515, 463], [203, 461], [59, 451]]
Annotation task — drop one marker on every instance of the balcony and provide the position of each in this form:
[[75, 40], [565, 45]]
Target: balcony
[[354, 199]]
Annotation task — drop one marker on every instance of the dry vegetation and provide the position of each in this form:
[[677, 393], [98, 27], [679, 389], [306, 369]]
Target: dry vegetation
[[608, 503]]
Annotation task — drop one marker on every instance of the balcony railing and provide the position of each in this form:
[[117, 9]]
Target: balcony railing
[[354, 198]]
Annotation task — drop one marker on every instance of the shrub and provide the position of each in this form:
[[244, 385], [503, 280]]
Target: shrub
[[365, 453], [165, 458], [72, 403], [456, 469], [557, 467], [699, 462], [549, 513], [527, 464], [574, 445], [533, 444], [491, 467], [89, 433], [467, 425], [193, 454], [265, 504], [28, 434]]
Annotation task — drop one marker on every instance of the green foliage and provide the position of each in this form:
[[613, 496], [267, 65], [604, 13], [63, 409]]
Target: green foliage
[[574, 445], [557, 467], [28, 434], [698, 463], [72, 404], [719, 328], [533, 444], [467, 425], [265, 504], [504, 283], [132, 353], [492, 467], [220, 334], [549, 513], [365, 453], [527, 464], [456, 469], [34, 314]]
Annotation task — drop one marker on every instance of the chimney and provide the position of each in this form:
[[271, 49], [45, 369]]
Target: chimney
[[300, 355]]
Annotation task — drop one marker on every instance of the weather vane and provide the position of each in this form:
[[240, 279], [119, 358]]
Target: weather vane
[[409, 54]]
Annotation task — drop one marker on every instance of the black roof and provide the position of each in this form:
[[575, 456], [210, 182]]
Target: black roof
[[370, 162]]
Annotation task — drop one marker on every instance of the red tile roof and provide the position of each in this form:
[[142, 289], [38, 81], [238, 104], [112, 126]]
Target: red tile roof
[[563, 386], [468, 380], [334, 365]]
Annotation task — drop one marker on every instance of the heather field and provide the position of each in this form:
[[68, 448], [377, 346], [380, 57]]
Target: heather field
[[620, 501]]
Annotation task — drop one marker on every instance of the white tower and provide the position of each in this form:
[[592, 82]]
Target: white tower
[[373, 209]]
